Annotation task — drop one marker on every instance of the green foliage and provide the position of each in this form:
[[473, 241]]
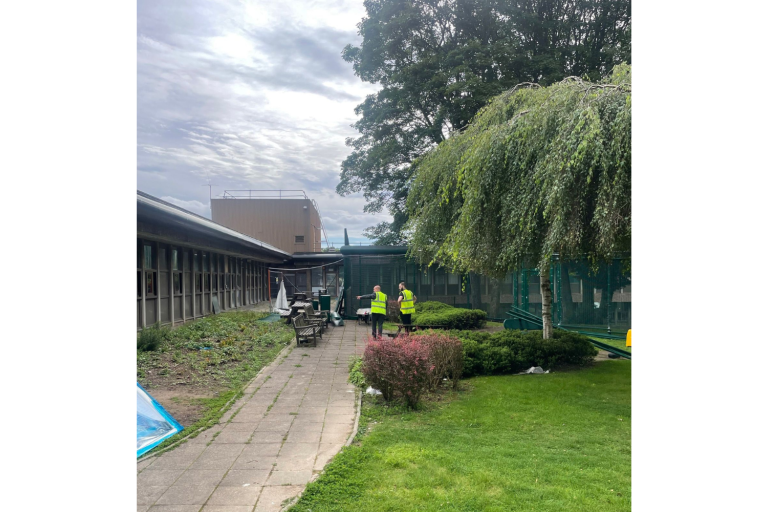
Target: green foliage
[[151, 338], [431, 306], [539, 171], [438, 62], [218, 349], [550, 443], [449, 317], [512, 351], [356, 376]]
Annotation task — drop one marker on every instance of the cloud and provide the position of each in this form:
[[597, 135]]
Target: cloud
[[248, 95], [197, 207]]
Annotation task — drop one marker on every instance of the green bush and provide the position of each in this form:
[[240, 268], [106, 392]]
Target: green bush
[[431, 306], [511, 351], [151, 338], [356, 376], [451, 318]]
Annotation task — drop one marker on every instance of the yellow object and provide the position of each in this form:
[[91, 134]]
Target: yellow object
[[629, 338], [406, 305], [379, 304]]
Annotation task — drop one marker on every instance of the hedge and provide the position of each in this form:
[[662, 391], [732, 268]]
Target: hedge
[[447, 317], [431, 306], [512, 351]]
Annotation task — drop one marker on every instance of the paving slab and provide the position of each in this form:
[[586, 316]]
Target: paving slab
[[271, 498], [292, 420]]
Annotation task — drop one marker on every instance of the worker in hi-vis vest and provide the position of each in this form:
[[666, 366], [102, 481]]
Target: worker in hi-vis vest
[[406, 300], [378, 308]]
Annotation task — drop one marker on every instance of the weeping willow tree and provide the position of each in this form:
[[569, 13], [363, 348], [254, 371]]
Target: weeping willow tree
[[539, 171]]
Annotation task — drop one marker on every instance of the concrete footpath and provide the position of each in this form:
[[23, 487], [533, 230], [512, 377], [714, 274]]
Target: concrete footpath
[[293, 418]]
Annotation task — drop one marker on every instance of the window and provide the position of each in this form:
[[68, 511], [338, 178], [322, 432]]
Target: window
[[174, 259], [425, 277], [163, 256], [453, 284], [176, 283], [151, 284], [215, 282], [330, 282], [199, 283], [205, 262], [149, 257], [299, 239], [196, 262], [317, 279]]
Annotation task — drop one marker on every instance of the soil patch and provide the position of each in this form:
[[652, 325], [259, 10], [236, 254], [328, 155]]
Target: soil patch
[[186, 406]]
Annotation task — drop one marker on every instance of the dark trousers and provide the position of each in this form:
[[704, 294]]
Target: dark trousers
[[405, 320], [377, 318]]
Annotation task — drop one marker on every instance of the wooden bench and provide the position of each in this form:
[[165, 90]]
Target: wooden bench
[[305, 330], [319, 322], [315, 315]]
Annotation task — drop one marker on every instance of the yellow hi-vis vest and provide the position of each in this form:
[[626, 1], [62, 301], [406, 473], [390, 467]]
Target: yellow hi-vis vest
[[406, 305], [379, 304]]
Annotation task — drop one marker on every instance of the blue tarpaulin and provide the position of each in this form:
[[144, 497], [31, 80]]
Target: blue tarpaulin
[[153, 423]]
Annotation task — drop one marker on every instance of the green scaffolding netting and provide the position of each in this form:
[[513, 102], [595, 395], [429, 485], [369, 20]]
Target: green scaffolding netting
[[585, 297]]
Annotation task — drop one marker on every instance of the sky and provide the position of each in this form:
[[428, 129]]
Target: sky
[[249, 94]]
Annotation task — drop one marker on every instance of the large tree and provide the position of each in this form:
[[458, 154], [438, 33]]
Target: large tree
[[439, 61], [540, 171]]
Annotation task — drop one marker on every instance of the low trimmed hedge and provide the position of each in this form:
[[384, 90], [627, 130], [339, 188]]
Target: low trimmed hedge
[[431, 306], [448, 317], [512, 351]]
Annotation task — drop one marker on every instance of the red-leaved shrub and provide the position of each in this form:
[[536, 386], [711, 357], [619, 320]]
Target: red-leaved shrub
[[398, 366], [446, 353]]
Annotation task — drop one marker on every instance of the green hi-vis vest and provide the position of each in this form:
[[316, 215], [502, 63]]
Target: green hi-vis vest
[[379, 304], [406, 305]]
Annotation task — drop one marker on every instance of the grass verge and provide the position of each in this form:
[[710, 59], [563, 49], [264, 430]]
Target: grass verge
[[556, 442], [622, 344]]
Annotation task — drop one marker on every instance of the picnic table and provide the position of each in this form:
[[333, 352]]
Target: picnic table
[[296, 308]]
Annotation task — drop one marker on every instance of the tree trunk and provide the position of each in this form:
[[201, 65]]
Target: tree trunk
[[546, 300]]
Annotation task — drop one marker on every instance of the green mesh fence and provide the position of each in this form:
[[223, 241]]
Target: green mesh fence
[[584, 298]]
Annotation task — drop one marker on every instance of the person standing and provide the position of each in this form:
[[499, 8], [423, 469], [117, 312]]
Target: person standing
[[406, 300], [378, 309]]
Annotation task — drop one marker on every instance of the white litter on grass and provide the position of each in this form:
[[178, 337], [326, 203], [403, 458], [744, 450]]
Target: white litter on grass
[[533, 369], [372, 391]]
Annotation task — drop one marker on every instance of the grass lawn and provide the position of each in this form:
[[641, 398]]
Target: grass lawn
[[203, 365], [622, 344], [556, 442]]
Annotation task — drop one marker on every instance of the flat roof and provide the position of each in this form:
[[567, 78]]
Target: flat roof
[[158, 208]]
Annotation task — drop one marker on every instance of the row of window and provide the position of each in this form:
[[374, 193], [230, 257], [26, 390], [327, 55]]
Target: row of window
[[212, 272]]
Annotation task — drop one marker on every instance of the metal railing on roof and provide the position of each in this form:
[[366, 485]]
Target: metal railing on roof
[[265, 194], [277, 194]]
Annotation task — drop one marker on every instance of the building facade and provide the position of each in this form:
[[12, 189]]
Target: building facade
[[187, 265], [285, 219]]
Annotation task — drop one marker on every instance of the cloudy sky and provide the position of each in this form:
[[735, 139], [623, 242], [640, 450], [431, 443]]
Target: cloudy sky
[[249, 94]]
